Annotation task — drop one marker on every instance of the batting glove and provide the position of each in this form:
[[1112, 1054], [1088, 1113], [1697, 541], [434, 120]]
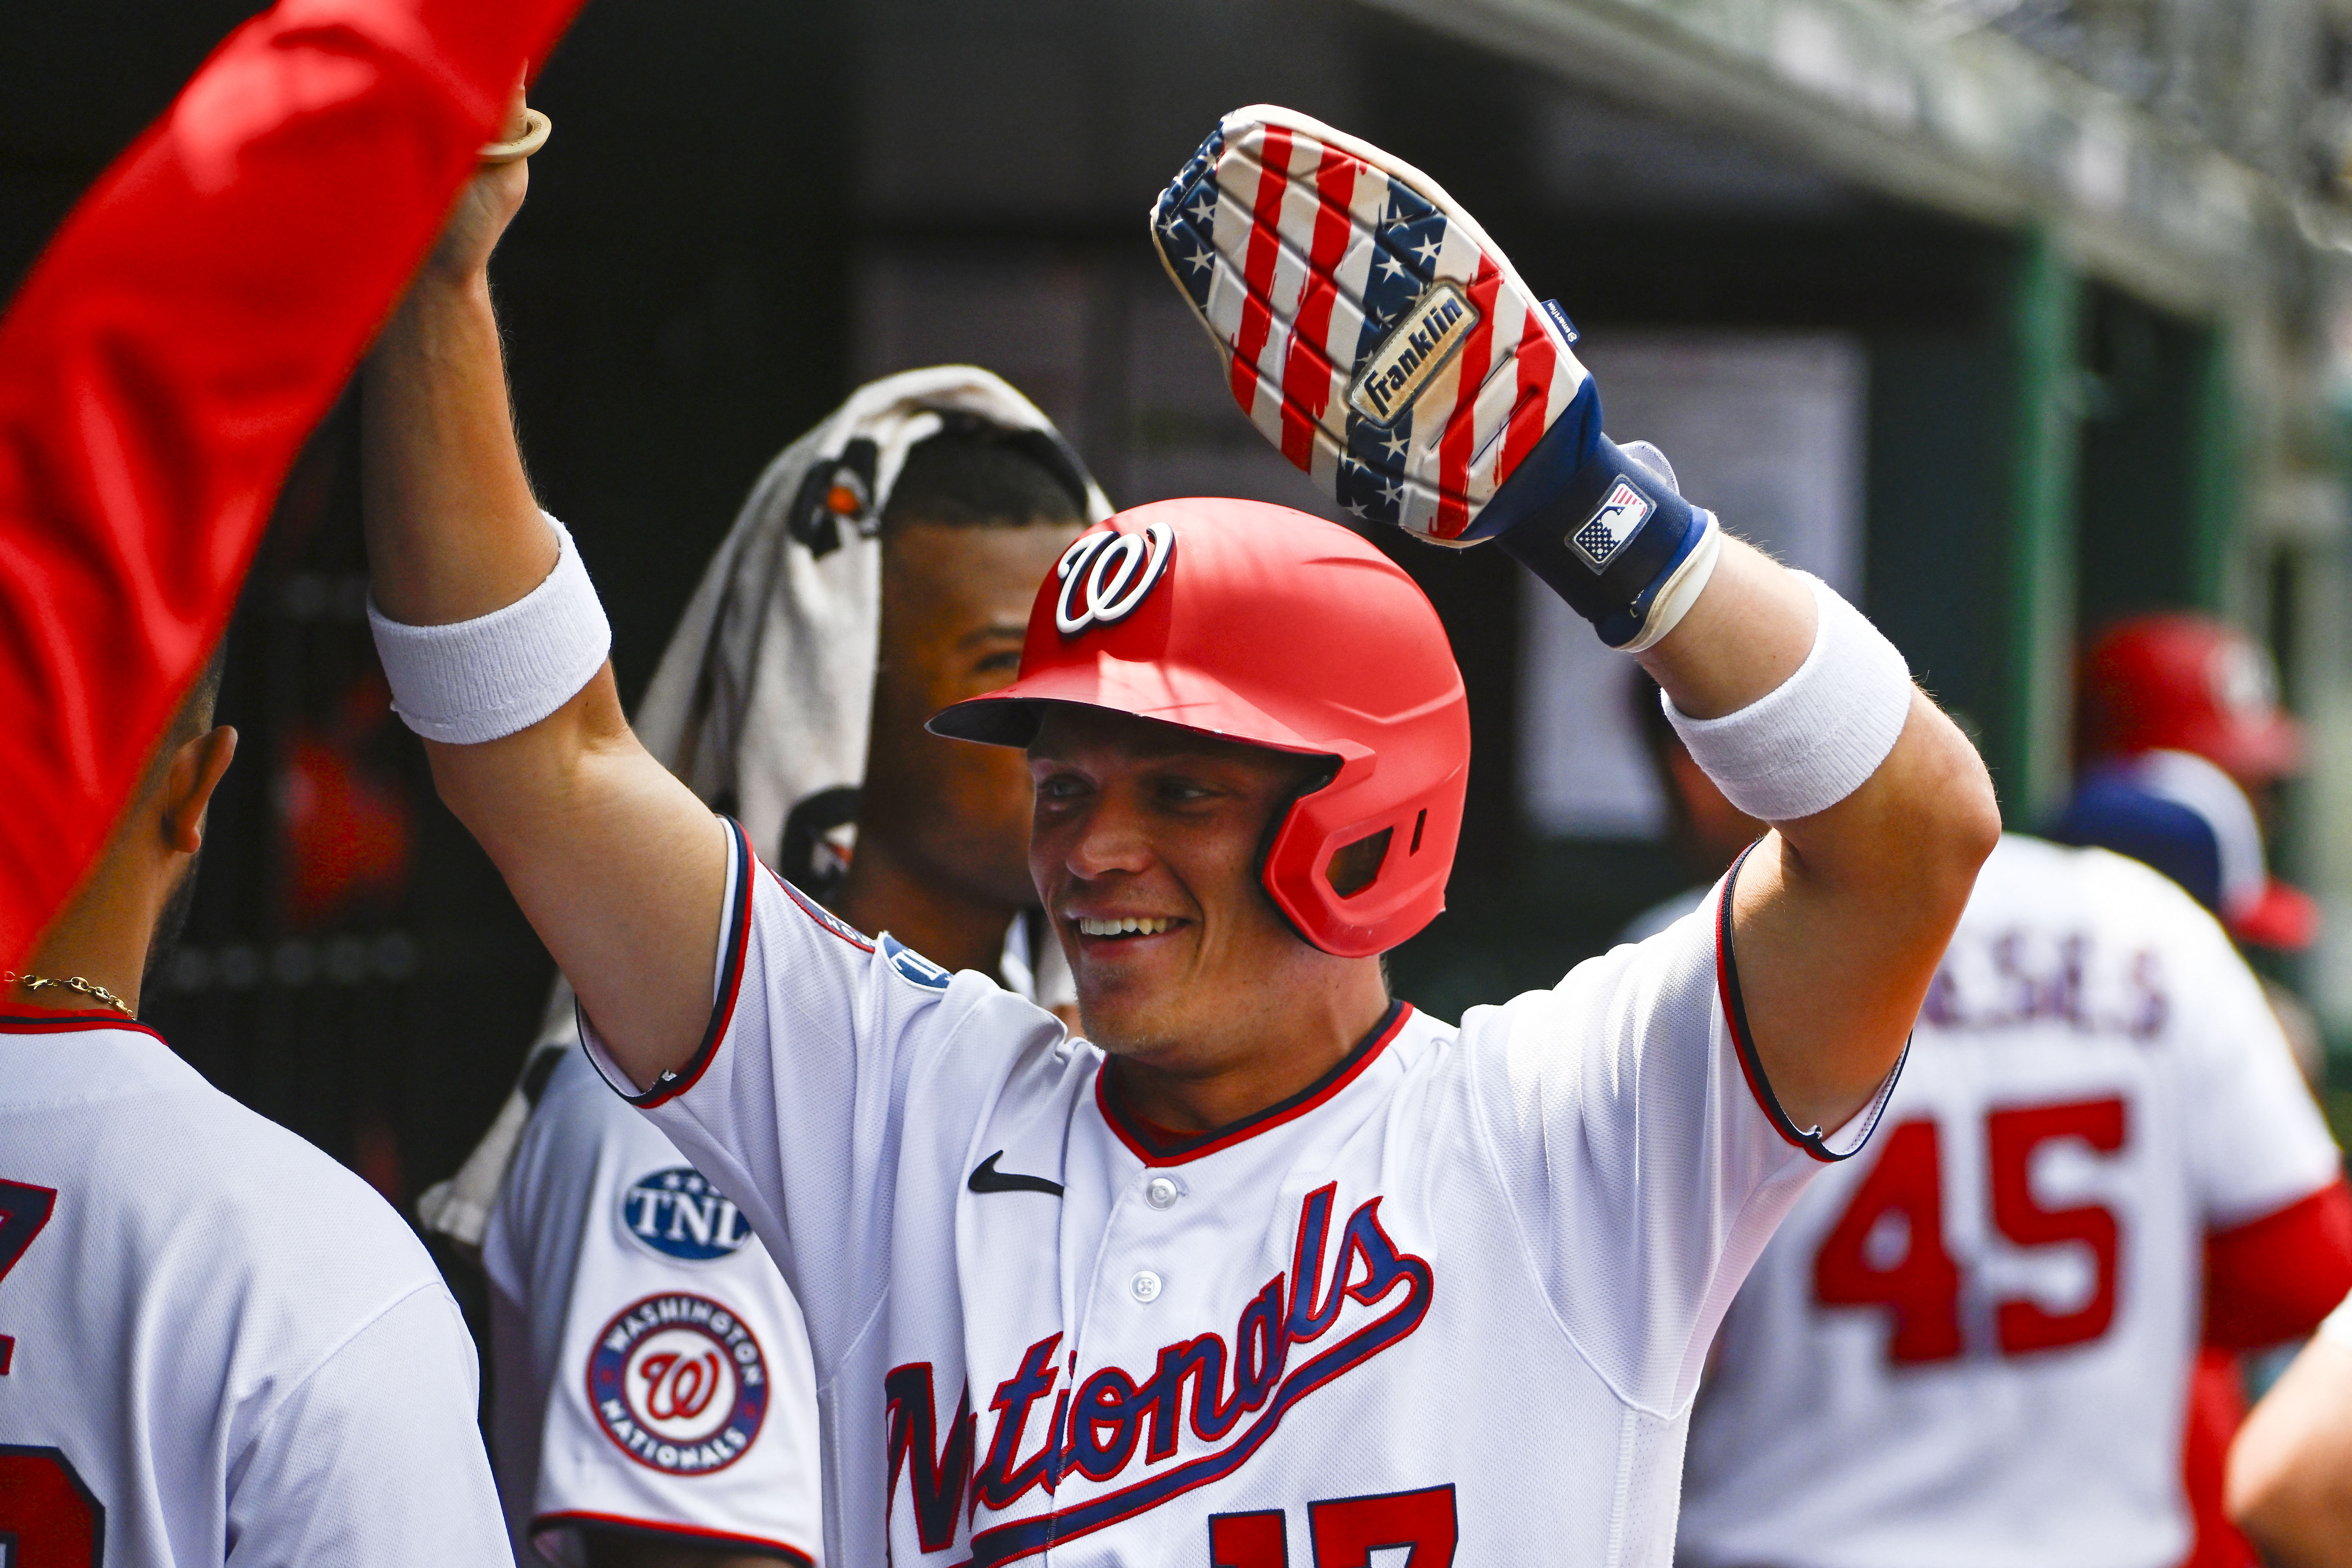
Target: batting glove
[[1387, 346]]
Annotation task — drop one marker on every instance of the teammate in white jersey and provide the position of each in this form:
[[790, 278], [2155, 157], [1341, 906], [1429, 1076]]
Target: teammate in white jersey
[[1973, 1346], [653, 1389], [1270, 1267], [1882, 1392], [652, 1394], [216, 1344]]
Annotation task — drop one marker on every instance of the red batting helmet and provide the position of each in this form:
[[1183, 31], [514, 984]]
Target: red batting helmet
[[2178, 682], [1257, 624]]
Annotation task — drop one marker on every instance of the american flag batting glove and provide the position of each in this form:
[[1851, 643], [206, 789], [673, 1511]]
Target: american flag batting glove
[[1374, 334]]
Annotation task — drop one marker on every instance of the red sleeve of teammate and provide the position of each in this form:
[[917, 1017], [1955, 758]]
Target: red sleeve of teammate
[[2275, 1278], [195, 318], [2267, 1280]]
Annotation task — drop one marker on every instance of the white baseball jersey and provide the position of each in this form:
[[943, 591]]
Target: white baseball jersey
[[1971, 1346], [650, 1371], [1454, 1296], [216, 1344], [597, 1214]]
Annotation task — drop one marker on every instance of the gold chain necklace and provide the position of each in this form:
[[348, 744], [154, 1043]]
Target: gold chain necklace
[[89, 989]]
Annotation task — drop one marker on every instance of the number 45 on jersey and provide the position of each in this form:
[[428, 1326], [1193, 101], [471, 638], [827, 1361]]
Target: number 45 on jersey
[[1921, 1289]]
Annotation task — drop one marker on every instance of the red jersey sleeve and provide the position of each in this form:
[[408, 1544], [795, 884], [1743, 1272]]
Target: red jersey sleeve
[[193, 320], [2274, 1279]]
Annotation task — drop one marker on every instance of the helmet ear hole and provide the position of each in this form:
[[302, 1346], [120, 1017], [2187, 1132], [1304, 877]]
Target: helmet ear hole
[[1355, 867]]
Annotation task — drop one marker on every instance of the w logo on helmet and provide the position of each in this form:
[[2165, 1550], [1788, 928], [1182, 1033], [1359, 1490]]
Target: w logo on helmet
[[1105, 576]]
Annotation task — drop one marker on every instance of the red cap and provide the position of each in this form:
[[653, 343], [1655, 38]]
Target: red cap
[[1258, 623], [2178, 682]]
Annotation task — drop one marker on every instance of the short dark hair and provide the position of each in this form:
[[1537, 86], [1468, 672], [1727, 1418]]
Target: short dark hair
[[196, 713], [192, 719], [977, 477]]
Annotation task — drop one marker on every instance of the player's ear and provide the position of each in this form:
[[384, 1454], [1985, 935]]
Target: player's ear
[[196, 771]]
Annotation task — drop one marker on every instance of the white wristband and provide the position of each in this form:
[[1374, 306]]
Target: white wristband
[[477, 680], [1811, 741]]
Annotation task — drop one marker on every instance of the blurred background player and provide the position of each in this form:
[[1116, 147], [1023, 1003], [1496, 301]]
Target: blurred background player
[[881, 570], [2291, 1469], [2183, 747], [216, 1344], [1949, 1355], [2167, 701], [2174, 681]]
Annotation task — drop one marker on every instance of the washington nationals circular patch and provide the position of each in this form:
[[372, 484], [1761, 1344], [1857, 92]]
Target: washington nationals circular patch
[[678, 1384]]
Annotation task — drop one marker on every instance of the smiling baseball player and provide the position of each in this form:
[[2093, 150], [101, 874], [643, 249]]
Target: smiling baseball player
[[652, 1388], [1271, 1268]]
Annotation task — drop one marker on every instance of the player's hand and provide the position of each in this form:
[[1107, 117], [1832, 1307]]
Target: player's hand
[[484, 208], [1373, 332], [1371, 329]]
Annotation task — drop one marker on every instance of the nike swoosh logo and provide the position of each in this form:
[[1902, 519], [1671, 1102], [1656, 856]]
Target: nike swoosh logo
[[986, 1177]]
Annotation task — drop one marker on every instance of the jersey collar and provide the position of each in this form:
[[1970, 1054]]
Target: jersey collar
[[71, 1022], [1156, 1147]]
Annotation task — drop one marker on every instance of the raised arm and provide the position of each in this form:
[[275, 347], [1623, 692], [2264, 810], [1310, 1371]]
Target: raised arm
[[1841, 916], [1404, 364], [618, 866]]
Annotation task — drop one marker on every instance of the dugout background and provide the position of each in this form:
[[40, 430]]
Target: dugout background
[[734, 190]]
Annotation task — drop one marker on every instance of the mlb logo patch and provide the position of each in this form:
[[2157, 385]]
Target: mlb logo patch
[[1621, 516]]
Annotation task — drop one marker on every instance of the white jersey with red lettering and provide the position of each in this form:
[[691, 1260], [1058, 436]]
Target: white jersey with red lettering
[[1452, 1297], [216, 1344], [651, 1373], [1971, 1347]]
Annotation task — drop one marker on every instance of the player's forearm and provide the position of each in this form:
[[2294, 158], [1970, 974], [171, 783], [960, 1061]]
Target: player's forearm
[[453, 530], [2306, 1524], [454, 533], [618, 867], [2290, 1480], [1746, 634], [1926, 811], [1844, 911]]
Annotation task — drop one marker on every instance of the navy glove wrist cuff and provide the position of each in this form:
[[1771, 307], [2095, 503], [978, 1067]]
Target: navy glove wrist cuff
[[1609, 542]]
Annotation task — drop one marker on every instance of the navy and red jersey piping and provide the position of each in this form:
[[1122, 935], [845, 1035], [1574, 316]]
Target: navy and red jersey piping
[[716, 1540], [737, 941], [833, 925], [1156, 1149], [1814, 1141], [69, 1023]]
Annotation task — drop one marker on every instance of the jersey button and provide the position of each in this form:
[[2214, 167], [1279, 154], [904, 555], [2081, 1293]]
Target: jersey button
[[1161, 1192], [1145, 1287]]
